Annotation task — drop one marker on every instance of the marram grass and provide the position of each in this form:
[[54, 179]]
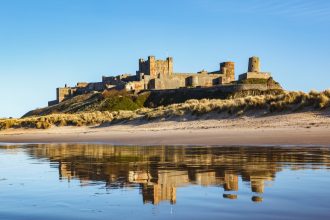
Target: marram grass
[[288, 101]]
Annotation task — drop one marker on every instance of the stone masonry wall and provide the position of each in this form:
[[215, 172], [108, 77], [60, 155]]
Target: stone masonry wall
[[156, 68]]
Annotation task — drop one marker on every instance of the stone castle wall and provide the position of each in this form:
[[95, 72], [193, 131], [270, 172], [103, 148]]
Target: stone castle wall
[[66, 92], [254, 75], [155, 68], [230, 88], [158, 75]]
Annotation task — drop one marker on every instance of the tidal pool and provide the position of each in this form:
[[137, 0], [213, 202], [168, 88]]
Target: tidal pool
[[87, 181]]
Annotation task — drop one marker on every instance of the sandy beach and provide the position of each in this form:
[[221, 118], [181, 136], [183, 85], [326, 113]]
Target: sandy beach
[[309, 128]]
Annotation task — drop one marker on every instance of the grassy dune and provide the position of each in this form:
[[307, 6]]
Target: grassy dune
[[286, 102]]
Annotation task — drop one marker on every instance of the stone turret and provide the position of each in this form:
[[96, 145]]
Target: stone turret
[[254, 70], [170, 65], [228, 70], [254, 64]]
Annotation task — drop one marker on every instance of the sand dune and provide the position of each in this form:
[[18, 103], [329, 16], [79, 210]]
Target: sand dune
[[309, 128]]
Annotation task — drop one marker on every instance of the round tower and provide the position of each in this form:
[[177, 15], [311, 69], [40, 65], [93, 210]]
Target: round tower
[[254, 64], [228, 69], [229, 65], [194, 81]]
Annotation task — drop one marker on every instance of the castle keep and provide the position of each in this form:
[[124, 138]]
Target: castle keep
[[159, 75]]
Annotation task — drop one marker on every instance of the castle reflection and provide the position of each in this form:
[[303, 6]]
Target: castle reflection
[[159, 171]]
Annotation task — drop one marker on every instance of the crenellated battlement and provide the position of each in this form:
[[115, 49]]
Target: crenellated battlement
[[155, 68]]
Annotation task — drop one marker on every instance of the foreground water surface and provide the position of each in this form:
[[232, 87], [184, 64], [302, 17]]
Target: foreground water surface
[[70, 181]]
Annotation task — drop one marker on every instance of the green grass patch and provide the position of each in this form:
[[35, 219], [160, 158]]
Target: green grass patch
[[119, 103]]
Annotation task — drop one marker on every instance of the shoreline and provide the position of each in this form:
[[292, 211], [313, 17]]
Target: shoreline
[[297, 129]]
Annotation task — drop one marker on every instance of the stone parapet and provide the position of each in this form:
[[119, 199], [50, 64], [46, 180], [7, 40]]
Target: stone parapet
[[254, 75]]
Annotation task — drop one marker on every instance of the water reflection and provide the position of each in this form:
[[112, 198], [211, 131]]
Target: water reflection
[[159, 171]]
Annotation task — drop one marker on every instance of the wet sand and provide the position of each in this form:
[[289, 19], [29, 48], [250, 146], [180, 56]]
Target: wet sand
[[291, 129]]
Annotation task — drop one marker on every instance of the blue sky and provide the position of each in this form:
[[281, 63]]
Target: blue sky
[[46, 43]]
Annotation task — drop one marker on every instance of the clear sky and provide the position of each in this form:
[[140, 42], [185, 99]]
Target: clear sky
[[47, 43]]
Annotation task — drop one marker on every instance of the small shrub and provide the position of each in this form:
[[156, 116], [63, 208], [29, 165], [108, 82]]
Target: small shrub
[[323, 101], [141, 99], [119, 103]]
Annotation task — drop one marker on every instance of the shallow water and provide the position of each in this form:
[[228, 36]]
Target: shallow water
[[105, 182]]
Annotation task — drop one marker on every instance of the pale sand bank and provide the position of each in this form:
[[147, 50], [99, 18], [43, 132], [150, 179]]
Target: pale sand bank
[[293, 129]]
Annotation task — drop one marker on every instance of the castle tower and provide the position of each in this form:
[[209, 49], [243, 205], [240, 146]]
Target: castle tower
[[141, 62], [194, 81], [152, 66], [254, 71], [155, 68], [228, 69], [254, 64], [170, 65]]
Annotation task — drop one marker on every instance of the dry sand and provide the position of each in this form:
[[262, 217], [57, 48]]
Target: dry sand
[[309, 128]]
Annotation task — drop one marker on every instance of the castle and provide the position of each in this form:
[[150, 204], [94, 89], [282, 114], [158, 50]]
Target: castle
[[159, 75]]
